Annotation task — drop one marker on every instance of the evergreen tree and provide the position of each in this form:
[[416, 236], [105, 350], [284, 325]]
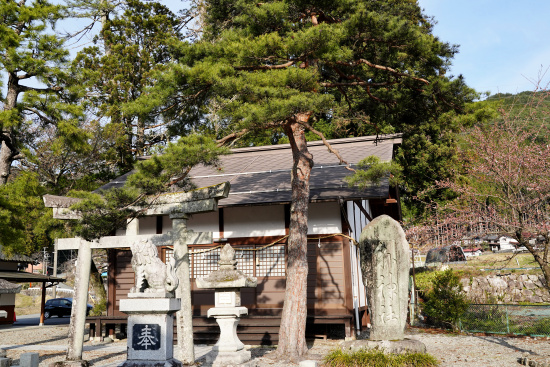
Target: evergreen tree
[[25, 225], [274, 70], [135, 44], [28, 52]]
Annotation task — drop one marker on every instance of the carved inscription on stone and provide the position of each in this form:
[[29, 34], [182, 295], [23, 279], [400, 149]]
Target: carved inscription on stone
[[385, 266], [146, 337], [387, 289]]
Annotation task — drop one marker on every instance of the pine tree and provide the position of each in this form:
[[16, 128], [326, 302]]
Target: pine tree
[[276, 70], [29, 52], [134, 45]]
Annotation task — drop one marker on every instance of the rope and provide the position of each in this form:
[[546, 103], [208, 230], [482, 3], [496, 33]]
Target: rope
[[193, 252]]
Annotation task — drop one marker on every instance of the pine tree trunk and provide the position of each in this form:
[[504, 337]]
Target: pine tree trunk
[[292, 334], [5, 163], [99, 288], [7, 149]]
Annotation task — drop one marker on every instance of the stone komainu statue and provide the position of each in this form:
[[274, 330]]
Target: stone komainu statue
[[152, 275]]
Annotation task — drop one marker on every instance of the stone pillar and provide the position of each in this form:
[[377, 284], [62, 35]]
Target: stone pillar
[[385, 266], [229, 350], [227, 282], [80, 300], [132, 227], [28, 360], [184, 317]]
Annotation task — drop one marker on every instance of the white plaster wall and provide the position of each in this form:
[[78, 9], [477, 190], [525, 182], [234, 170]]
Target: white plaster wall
[[324, 218], [166, 223], [203, 222], [356, 218], [254, 221], [357, 221], [7, 299], [147, 225]]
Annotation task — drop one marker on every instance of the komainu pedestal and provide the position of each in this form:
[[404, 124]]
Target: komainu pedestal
[[150, 331], [385, 266], [150, 307]]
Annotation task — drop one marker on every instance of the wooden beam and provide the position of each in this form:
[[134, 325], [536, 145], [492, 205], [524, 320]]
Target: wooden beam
[[42, 304], [363, 210]]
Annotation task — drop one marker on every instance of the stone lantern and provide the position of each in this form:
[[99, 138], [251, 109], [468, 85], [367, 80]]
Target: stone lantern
[[227, 283]]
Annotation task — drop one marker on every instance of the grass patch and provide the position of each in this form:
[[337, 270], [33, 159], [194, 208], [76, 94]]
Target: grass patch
[[27, 305], [377, 358], [22, 300], [503, 260]]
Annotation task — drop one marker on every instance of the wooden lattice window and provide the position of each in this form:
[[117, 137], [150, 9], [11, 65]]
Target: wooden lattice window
[[168, 255], [245, 260], [270, 262], [203, 263]]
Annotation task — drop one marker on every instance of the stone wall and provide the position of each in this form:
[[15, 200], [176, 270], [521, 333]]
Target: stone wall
[[509, 288]]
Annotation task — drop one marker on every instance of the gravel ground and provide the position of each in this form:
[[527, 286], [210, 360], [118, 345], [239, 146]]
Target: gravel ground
[[450, 349]]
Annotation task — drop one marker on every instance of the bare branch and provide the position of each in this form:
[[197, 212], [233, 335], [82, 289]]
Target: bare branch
[[265, 67], [231, 137], [326, 143], [386, 68]]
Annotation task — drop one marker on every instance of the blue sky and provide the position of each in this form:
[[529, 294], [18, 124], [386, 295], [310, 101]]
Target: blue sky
[[504, 44]]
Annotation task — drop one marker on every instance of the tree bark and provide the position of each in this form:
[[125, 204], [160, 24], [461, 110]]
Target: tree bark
[[7, 148], [292, 340], [97, 284], [5, 163]]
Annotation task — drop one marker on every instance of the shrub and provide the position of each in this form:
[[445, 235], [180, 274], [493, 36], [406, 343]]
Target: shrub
[[377, 358], [99, 308], [446, 301]]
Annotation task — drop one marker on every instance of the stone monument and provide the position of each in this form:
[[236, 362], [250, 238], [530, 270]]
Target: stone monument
[[150, 307], [227, 282], [385, 265]]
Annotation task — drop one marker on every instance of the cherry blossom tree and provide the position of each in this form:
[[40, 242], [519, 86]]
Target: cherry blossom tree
[[505, 184]]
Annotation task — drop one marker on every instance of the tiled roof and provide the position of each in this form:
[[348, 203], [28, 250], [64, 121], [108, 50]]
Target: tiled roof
[[262, 174], [14, 257], [7, 287]]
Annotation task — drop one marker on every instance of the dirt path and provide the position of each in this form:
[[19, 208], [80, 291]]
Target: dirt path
[[450, 349]]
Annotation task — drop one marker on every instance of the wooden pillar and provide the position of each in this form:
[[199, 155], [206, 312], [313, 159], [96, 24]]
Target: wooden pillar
[[42, 303]]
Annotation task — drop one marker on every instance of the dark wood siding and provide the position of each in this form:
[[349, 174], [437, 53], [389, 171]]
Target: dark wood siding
[[329, 290], [10, 309], [121, 279], [327, 282]]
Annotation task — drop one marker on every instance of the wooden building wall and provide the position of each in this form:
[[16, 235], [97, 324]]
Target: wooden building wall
[[329, 284]]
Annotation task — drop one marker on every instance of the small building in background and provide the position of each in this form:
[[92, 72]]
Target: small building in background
[[470, 252], [502, 243], [8, 289], [7, 301]]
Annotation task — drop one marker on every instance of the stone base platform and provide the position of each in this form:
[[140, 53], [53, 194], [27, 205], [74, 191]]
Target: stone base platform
[[389, 346], [534, 361], [144, 363], [216, 358], [81, 363]]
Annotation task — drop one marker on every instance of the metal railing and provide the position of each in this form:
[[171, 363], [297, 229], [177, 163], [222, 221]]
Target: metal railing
[[528, 320]]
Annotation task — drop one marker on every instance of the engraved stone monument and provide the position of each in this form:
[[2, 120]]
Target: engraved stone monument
[[227, 283], [385, 266], [150, 307]]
